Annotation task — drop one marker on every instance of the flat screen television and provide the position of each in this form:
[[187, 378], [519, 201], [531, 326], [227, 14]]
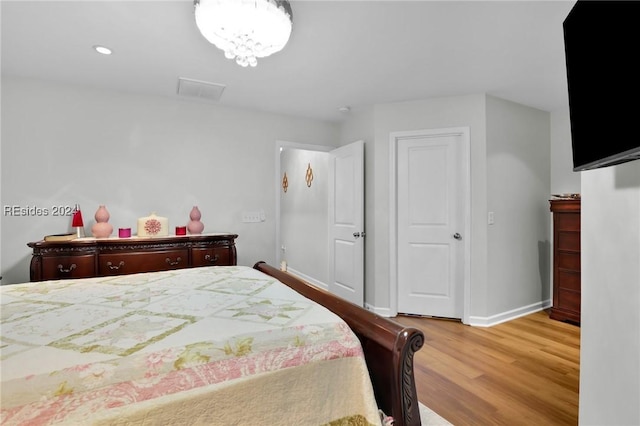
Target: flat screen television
[[602, 52]]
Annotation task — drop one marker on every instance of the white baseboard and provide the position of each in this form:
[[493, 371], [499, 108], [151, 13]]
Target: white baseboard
[[308, 278], [508, 315], [473, 320], [383, 312]]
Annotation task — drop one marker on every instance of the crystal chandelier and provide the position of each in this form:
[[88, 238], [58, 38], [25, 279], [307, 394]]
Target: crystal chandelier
[[245, 29]]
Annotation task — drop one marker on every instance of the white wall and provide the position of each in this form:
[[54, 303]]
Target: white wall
[[610, 281], [137, 154], [359, 125], [519, 150], [459, 111], [1, 269], [304, 214], [518, 139], [610, 309], [563, 179]]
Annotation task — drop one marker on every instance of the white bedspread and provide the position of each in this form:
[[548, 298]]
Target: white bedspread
[[214, 346]]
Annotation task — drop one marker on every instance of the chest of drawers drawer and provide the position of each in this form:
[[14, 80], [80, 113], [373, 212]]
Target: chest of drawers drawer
[[132, 263], [210, 256], [63, 267]]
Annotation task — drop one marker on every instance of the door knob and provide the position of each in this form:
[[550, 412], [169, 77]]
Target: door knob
[[457, 236], [358, 234]]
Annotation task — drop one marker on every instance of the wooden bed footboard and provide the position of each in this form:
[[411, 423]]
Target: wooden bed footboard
[[388, 348]]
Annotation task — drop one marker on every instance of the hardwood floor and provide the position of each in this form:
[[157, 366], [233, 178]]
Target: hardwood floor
[[522, 372]]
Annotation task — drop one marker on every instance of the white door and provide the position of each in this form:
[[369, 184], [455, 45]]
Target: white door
[[346, 222], [431, 224]]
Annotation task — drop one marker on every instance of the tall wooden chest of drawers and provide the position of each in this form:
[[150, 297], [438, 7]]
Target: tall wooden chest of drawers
[[566, 260], [91, 257]]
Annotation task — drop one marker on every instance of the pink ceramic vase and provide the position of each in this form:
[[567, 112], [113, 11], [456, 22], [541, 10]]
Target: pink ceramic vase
[[195, 226], [102, 228]]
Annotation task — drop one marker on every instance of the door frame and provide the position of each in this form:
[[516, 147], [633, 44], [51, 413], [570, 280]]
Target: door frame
[[394, 137], [280, 145]]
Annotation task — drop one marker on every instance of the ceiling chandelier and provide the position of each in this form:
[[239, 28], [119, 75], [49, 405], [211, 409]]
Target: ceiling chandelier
[[245, 29]]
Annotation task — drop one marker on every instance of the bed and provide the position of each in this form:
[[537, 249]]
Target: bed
[[215, 345]]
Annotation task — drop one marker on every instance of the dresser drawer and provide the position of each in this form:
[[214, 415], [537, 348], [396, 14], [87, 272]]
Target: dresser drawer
[[568, 240], [568, 261], [62, 267], [568, 280], [568, 300], [131, 263], [211, 257], [567, 222]]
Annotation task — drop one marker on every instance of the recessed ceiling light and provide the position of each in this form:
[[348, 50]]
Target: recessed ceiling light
[[102, 49], [344, 109]]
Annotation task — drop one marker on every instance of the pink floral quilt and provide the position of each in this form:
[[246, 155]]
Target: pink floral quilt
[[219, 345]]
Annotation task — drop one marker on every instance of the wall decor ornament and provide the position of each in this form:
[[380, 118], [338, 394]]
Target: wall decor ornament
[[285, 182], [309, 175], [195, 226], [102, 228]]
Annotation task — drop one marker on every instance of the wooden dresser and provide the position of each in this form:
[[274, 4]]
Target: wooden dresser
[[91, 257], [566, 260]]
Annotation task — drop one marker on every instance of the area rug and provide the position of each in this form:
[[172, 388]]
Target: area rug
[[430, 418]]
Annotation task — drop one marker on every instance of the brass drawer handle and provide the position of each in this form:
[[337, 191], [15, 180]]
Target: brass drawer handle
[[71, 268], [173, 263], [213, 259], [115, 267]]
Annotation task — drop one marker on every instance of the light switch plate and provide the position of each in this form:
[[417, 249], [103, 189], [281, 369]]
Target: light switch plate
[[252, 216]]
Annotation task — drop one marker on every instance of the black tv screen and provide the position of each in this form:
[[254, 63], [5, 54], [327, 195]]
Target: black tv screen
[[602, 52]]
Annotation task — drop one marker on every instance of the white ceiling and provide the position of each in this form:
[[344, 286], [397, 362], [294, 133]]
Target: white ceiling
[[354, 53]]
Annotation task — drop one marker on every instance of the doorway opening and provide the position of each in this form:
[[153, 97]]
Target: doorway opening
[[302, 210]]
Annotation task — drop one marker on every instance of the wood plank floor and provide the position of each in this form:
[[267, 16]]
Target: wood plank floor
[[522, 372]]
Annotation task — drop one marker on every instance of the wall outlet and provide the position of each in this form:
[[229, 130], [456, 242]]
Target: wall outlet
[[490, 218]]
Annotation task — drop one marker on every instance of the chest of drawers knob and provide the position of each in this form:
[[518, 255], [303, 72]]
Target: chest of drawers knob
[[67, 270], [173, 262], [115, 267]]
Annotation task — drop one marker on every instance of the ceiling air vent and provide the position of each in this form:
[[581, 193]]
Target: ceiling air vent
[[200, 89]]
